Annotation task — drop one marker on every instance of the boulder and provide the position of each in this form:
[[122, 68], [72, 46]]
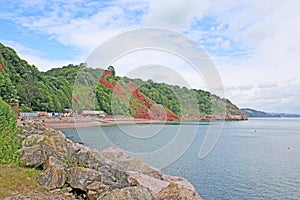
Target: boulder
[[32, 140], [95, 189], [156, 185], [180, 181], [98, 161], [153, 184], [33, 156], [133, 193], [80, 177], [36, 149], [55, 146], [53, 177], [125, 162], [175, 191], [53, 161]]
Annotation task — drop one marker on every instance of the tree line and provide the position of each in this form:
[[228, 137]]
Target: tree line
[[53, 91]]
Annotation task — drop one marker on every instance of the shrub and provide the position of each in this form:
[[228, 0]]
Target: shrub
[[9, 142]]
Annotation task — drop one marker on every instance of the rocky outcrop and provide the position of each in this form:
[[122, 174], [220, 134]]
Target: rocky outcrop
[[234, 113], [91, 174]]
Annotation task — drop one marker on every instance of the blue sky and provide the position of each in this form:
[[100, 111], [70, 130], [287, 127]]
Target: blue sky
[[255, 45]]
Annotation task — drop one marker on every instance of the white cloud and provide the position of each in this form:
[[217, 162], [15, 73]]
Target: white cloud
[[279, 98], [270, 34], [174, 14]]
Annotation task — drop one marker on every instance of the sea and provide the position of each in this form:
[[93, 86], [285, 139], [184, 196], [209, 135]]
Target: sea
[[254, 159]]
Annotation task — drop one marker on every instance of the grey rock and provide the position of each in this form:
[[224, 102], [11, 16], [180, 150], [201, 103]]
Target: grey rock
[[32, 140], [95, 189], [53, 161], [53, 177], [33, 156], [175, 191], [132, 193], [80, 177], [125, 162]]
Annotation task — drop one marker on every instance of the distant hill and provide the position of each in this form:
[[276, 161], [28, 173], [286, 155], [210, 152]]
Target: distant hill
[[55, 90], [255, 113]]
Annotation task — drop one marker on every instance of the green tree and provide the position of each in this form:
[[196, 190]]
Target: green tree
[[8, 91], [9, 141]]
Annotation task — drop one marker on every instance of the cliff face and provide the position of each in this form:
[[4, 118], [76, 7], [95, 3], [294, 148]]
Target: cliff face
[[234, 113], [141, 106], [91, 174], [157, 101]]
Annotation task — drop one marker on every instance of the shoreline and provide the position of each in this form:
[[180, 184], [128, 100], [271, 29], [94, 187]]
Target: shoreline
[[91, 121], [79, 123], [72, 123]]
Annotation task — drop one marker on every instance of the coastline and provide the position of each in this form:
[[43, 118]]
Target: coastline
[[71, 123], [86, 173]]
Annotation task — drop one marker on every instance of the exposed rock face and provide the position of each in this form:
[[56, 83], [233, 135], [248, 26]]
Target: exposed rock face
[[147, 110], [110, 174], [234, 113]]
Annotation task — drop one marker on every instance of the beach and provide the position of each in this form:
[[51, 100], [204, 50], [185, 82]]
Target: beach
[[82, 122]]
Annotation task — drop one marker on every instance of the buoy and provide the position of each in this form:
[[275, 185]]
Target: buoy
[[289, 148]]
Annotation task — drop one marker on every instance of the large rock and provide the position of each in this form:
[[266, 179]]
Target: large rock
[[125, 162], [156, 185], [95, 189], [80, 177], [153, 184], [32, 127], [180, 181], [32, 140], [56, 146], [53, 177], [32, 156], [132, 193], [53, 161], [175, 191]]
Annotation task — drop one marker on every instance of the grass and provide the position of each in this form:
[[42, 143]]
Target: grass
[[15, 180]]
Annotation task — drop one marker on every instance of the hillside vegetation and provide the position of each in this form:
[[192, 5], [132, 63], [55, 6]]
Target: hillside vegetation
[[52, 91], [9, 142]]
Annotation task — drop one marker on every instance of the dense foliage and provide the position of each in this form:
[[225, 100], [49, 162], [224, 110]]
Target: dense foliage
[[76, 86], [179, 100], [50, 91], [9, 142]]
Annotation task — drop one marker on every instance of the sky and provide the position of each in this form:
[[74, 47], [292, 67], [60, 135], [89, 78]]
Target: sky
[[254, 44]]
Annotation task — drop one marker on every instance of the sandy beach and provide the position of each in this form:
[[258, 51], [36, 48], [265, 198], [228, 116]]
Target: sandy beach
[[81, 122]]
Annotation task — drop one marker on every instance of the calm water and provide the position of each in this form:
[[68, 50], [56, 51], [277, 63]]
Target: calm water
[[254, 159]]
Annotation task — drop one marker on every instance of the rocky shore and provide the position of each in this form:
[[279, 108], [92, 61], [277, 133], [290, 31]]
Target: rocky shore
[[74, 171]]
